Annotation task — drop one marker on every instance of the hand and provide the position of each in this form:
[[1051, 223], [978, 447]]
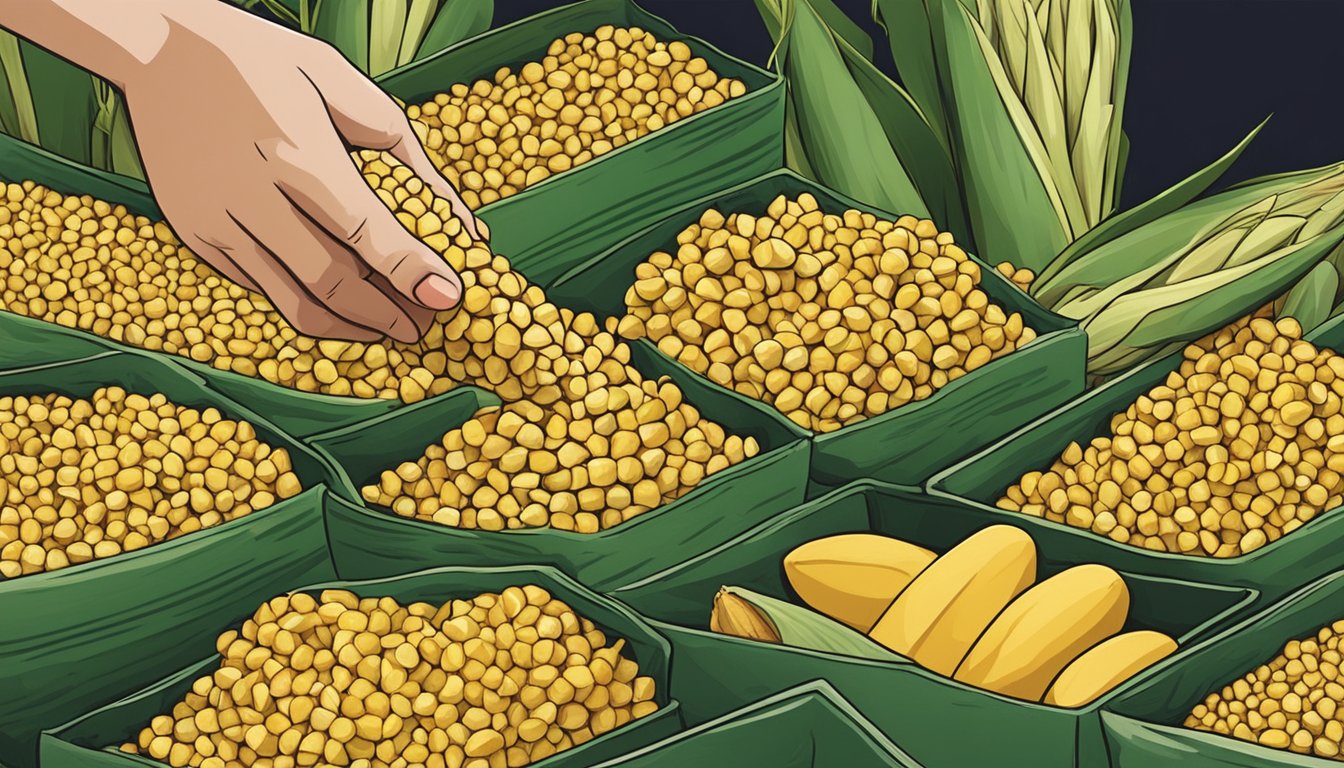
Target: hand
[[244, 129]]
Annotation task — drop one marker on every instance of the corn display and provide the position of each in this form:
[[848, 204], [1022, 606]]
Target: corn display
[[583, 444], [1239, 447], [975, 614], [87, 478], [589, 95], [336, 679], [1290, 703], [829, 318]]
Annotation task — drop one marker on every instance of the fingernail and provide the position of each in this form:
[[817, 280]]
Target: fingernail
[[438, 292]]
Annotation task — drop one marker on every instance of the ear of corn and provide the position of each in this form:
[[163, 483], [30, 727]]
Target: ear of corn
[[743, 613], [1160, 205], [1195, 270], [1029, 96], [849, 126]]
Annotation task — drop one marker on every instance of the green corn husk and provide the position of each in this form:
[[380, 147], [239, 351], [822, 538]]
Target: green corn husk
[[113, 144], [17, 116], [850, 127], [379, 36], [743, 613], [1162, 284], [1031, 95]]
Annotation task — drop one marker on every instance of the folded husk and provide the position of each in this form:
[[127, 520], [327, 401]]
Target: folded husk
[[742, 613]]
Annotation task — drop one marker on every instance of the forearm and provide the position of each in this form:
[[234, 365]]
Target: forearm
[[113, 38]]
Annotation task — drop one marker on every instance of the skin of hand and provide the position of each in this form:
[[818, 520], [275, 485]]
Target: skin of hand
[[244, 129]]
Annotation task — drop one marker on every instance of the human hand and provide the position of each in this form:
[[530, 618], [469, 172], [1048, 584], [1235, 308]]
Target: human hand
[[243, 129]]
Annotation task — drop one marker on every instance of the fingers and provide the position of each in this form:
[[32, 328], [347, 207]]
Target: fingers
[[296, 305], [328, 271], [365, 117], [219, 256], [323, 183]]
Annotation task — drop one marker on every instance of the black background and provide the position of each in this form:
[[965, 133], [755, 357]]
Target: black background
[[1202, 74]]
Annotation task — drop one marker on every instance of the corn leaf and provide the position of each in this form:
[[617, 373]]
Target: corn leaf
[[1159, 320], [419, 15], [456, 21], [17, 115], [113, 143], [832, 114], [63, 100], [909, 27], [801, 627], [1116, 226], [1013, 211], [345, 24], [387, 22], [1311, 301]]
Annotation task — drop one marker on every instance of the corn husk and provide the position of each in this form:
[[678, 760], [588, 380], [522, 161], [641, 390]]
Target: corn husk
[[113, 143], [381, 35], [1191, 271], [743, 613], [17, 115], [850, 127], [1030, 95]]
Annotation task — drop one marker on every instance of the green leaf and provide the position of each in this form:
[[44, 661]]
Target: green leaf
[[1013, 213], [387, 22], [17, 115], [909, 26], [456, 21], [834, 117], [63, 99], [1311, 301], [1116, 226], [345, 24], [801, 627], [1158, 320]]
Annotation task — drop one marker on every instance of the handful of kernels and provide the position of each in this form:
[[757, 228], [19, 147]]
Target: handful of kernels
[[84, 479], [1243, 444], [589, 95], [829, 318], [1294, 702], [583, 465], [502, 679]]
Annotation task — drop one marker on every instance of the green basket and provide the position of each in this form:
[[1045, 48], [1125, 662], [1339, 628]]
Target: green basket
[[936, 720], [54, 623], [549, 227], [809, 726], [374, 542], [1274, 569], [910, 443], [91, 741], [1143, 728]]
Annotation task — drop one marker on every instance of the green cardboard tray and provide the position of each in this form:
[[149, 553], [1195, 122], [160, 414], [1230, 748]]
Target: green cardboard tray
[[91, 741], [52, 624], [547, 228], [910, 443], [371, 542], [1313, 550], [938, 721], [1144, 727], [808, 726]]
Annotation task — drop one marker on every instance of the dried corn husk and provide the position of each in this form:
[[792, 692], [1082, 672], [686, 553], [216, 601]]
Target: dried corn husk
[[1181, 275], [850, 127], [742, 613]]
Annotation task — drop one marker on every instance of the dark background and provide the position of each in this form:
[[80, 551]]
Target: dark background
[[1202, 74]]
